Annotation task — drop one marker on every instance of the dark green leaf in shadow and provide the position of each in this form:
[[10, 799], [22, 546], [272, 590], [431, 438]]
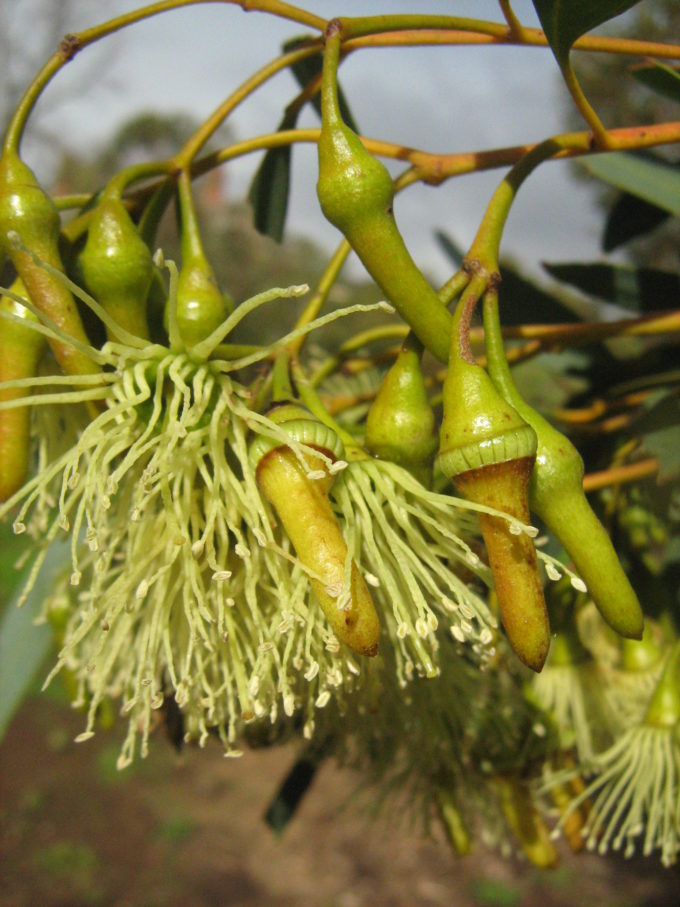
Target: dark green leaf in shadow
[[629, 218], [523, 301], [564, 21], [268, 193], [638, 289], [661, 78], [652, 179], [659, 426], [450, 248]]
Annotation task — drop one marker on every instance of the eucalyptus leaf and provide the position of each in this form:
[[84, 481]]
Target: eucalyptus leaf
[[638, 289], [450, 248], [23, 645], [522, 301], [630, 217], [269, 190], [659, 427], [661, 78], [651, 179], [564, 21]]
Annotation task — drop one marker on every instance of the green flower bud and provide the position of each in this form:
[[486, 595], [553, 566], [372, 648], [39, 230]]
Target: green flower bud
[[453, 822], [525, 821], [117, 267], [488, 451], [400, 425], [201, 307], [29, 214], [556, 495], [356, 192], [298, 492], [664, 708]]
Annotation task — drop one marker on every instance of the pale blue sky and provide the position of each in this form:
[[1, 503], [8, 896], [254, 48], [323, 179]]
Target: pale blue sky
[[440, 99]]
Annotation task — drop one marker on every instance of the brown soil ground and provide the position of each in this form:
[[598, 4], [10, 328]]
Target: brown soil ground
[[188, 831]]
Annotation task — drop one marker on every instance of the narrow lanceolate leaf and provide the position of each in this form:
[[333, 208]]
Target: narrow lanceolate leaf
[[663, 79], [24, 646], [523, 301], [653, 180], [450, 248], [564, 21], [630, 217], [641, 290], [268, 193]]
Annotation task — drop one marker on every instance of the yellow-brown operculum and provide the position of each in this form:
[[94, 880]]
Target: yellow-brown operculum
[[488, 451], [20, 350], [297, 484]]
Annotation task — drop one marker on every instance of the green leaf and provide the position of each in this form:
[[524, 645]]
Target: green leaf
[[651, 179], [24, 646], [450, 248], [629, 218], [268, 193], [523, 301], [659, 426], [637, 289], [564, 21], [663, 79]]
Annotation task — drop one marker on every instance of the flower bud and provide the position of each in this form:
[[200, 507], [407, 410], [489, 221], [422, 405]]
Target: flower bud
[[29, 221], [117, 267], [525, 822], [298, 492], [355, 191], [400, 425], [20, 350], [556, 495], [488, 450]]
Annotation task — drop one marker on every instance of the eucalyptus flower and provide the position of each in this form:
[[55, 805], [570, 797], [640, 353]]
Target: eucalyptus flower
[[635, 795], [181, 584], [418, 550], [570, 690]]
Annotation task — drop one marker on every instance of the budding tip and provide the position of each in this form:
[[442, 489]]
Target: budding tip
[[332, 29]]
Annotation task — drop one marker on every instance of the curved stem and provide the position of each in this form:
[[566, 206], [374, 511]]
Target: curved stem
[[73, 43], [188, 152], [585, 109], [515, 26], [190, 234], [485, 246], [620, 475], [281, 386]]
